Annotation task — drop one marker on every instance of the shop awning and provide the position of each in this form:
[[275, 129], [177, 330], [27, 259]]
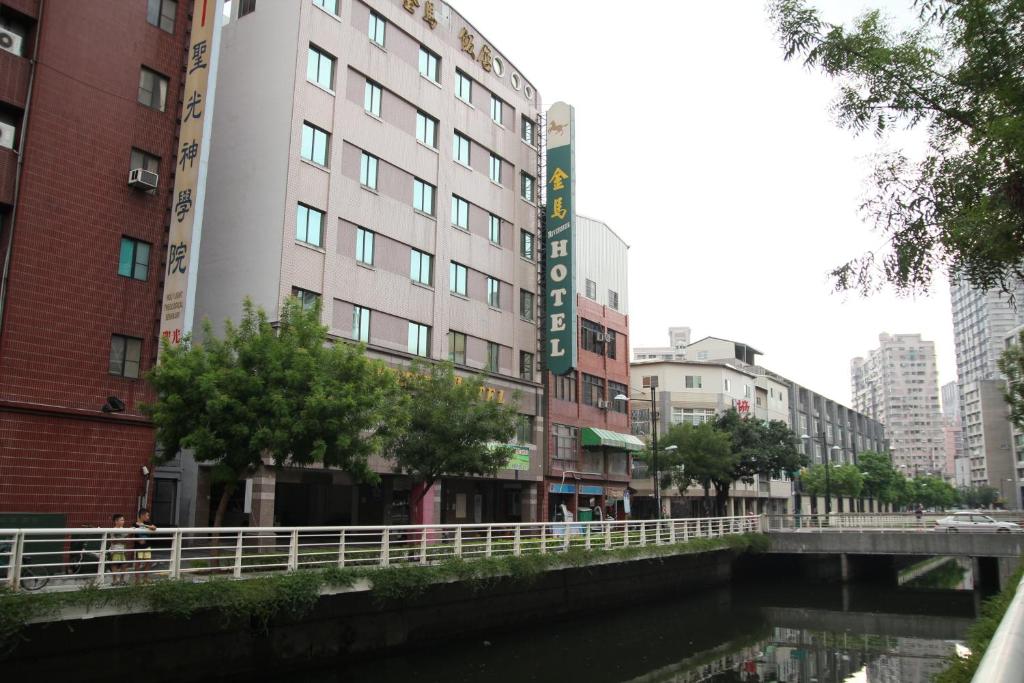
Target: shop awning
[[595, 438]]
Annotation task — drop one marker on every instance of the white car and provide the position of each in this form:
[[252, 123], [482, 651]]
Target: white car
[[974, 521]]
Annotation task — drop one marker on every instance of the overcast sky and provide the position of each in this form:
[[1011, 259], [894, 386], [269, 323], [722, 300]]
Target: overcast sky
[[721, 166]]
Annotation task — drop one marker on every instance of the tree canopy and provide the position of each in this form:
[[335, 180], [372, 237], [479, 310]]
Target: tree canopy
[[1011, 364], [704, 456], [881, 480], [843, 480], [959, 210]]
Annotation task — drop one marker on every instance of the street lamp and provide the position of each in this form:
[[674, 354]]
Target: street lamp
[[654, 444], [828, 460]]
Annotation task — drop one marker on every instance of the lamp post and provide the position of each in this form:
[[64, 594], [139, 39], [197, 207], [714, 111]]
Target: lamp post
[[654, 443], [827, 456]]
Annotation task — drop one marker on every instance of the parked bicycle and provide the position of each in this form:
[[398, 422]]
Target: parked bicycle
[[31, 578]]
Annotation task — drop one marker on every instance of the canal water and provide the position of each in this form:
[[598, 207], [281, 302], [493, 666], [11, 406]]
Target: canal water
[[757, 631]]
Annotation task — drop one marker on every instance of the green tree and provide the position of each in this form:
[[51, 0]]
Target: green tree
[[704, 456], [1011, 364], [881, 479], [843, 480], [453, 429], [931, 492], [978, 496], [957, 74], [281, 394]]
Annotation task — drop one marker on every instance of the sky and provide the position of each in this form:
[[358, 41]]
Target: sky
[[722, 167]]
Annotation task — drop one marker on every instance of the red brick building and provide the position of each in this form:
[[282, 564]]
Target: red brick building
[[89, 90], [588, 430]]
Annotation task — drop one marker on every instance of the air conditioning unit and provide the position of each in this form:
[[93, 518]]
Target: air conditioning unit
[[10, 41], [601, 403], [601, 336], [141, 179], [6, 135]]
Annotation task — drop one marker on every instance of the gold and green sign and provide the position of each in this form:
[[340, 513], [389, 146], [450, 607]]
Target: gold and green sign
[[560, 304]]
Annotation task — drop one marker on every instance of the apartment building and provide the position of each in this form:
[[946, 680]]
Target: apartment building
[[952, 432], [1013, 337], [90, 97], [897, 384], [381, 158], [678, 338]]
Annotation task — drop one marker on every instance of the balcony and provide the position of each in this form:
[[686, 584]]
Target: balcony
[[14, 74], [8, 169]]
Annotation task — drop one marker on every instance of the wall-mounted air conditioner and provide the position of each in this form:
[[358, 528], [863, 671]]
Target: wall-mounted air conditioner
[[601, 403], [10, 41], [141, 179], [7, 135]]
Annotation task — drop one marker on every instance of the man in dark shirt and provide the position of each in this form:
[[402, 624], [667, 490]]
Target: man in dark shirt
[[143, 549]]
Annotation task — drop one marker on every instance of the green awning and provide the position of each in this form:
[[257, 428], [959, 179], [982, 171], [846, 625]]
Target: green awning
[[595, 438]]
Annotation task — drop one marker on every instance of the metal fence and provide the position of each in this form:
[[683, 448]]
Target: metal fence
[[65, 559], [896, 521], [1003, 660]]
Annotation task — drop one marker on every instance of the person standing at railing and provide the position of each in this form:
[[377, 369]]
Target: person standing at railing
[[143, 548], [118, 557], [919, 514]]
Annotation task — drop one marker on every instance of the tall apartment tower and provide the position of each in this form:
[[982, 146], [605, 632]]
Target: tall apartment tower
[[981, 322], [898, 386], [952, 431], [90, 94], [381, 157]]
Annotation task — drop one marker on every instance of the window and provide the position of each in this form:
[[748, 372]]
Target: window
[[422, 196], [611, 344], [493, 292], [460, 148], [152, 89], [161, 13], [428, 64], [314, 144], [525, 429], [125, 356], [494, 229], [526, 130], [134, 259], [493, 352], [376, 28], [526, 244], [746, 391], [727, 385], [457, 348], [457, 278], [320, 68], [460, 212], [694, 416], [421, 267], [496, 109], [463, 86], [694, 382], [309, 225], [368, 171], [144, 160], [565, 445], [308, 299], [702, 355], [593, 337], [613, 299], [526, 305], [246, 7], [526, 184], [328, 5], [364, 246], [617, 389], [371, 98], [593, 389], [565, 387], [591, 290], [419, 339], [426, 129], [494, 169], [526, 366], [361, 324]]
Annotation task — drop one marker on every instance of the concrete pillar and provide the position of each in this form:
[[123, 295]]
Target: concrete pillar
[[1007, 566], [529, 505], [844, 567], [422, 504], [263, 484]]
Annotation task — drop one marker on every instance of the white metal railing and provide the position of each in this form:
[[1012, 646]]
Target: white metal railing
[[65, 559], [1003, 660], [895, 521]]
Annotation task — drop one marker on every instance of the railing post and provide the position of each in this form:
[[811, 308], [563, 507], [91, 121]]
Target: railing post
[[607, 535], [587, 543], [14, 568], [643, 534], [657, 532], [341, 548], [625, 535], [487, 547], [458, 541], [423, 547], [101, 567], [517, 548], [385, 547], [686, 530], [293, 550], [543, 538], [174, 568], [672, 531], [238, 556]]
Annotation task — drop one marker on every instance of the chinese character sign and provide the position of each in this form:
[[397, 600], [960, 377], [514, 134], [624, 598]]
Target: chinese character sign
[[190, 175], [560, 304]]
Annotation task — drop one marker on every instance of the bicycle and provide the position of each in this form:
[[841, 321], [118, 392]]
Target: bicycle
[[31, 578]]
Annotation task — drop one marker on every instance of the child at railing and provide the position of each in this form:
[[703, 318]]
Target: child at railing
[[118, 558]]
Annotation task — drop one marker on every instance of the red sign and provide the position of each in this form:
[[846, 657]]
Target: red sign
[[742, 405]]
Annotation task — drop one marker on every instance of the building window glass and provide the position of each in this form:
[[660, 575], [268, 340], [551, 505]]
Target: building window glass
[[364, 246], [457, 348], [565, 387], [314, 144], [593, 389], [526, 130], [525, 429], [422, 196], [419, 339], [428, 64], [694, 416], [246, 7], [526, 305], [494, 168], [320, 68], [494, 229], [493, 354], [526, 366], [144, 160], [611, 344], [592, 337], [460, 212], [727, 385], [308, 299], [496, 109], [426, 129], [328, 5], [463, 86], [368, 171], [161, 13], [125, 356], [526, 186], [371, 98], [361, 324], [309, 225], [526, 244], [613, 299], [134, 259], [376, 28], [457, 278], [565, 446], [493, 292], [591, 289], [421, 267], [694, 382], [617, 389], [460, 148], [152, 89]]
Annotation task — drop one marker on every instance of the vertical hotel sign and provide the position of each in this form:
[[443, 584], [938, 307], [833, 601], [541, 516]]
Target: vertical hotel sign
[[560, 276], [190, 175]]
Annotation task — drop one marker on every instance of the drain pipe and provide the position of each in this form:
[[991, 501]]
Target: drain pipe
[[21, 162]]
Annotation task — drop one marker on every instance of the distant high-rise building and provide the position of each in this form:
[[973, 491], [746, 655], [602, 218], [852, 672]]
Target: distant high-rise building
[[897, 385], [952, 430], [950, 400], [679, 339]]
